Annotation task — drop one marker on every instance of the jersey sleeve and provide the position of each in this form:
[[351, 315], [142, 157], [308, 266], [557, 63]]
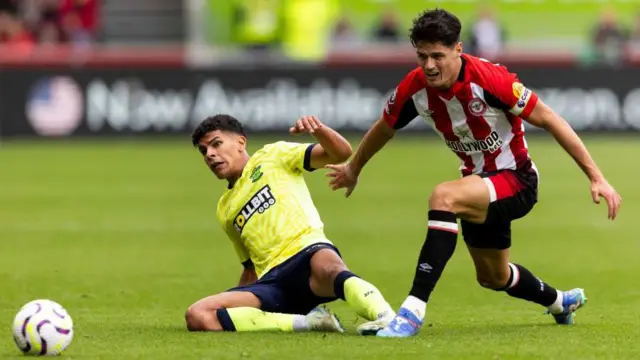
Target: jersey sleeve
[[294, 157], [509, 94], [400, 108]]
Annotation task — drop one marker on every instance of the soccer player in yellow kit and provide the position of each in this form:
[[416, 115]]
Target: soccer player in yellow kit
[[290, 267]]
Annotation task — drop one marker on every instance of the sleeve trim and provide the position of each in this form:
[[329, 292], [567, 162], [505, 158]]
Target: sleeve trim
[[407, 114], [526, 112], [307, 158]]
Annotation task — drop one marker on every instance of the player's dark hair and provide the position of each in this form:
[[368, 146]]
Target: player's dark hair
[[220, 122], [436, 26]]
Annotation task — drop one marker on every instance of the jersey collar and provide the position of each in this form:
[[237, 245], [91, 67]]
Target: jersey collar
[[463, 67], [242, 175]]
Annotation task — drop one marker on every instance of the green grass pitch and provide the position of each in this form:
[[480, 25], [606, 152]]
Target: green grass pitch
[[124, 235]]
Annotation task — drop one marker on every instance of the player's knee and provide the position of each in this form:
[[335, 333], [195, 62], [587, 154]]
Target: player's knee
[[442, 198], [193, 319], [326, 265], [336, 270], [198, 318], [492, 282], [331, 270]]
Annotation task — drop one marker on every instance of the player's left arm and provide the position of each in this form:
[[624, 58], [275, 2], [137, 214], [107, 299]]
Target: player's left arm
[[331, 147], [544, 117], [514, 97]]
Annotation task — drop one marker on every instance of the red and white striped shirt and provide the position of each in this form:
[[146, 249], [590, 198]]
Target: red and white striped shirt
[[479, 117]]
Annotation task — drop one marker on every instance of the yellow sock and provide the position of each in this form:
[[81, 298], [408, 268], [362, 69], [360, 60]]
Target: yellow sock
[[252, 319], [366, 299]]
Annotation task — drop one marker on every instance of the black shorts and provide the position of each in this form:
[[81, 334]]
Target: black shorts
[[285, 288], [513, 194]]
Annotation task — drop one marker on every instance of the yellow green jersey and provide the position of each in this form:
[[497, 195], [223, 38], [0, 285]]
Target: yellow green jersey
[[268, 214]]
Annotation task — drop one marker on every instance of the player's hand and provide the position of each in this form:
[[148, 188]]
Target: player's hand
[[343, 177], [306, 125], [601, 188]]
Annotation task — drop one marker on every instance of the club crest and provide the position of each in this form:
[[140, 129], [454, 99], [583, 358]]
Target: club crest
[[477, 107]]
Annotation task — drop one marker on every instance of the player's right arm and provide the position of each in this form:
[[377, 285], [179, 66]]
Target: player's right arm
[[248, 275], [398, 112], [374, 140]]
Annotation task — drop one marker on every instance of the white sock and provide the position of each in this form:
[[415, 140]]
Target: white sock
[[416, 306], [556, 307], [300, 323]]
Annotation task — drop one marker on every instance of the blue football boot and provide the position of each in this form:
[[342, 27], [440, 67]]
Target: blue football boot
[[404, 324], [572, 300]]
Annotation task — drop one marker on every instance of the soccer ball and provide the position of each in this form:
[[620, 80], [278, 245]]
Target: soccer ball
[[42, 328]]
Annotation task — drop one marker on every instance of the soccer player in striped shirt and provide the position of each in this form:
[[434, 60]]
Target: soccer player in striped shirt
[[478, 109], [290, 267]]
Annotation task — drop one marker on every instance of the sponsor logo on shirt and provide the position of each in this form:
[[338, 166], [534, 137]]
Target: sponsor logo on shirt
[[260, 202], [491, 143]]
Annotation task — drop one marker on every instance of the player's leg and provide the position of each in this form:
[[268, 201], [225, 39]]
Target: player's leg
[[513, 195], [203, 314], [489, 244], [466, 198], [241, 310], [489, 248], [330, 277], [494, 271]]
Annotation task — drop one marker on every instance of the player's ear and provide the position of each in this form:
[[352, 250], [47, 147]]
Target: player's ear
[[458, 48], [242, 141]]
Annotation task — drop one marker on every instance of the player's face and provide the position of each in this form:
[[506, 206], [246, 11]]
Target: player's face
[[440, 63], [223, 153]]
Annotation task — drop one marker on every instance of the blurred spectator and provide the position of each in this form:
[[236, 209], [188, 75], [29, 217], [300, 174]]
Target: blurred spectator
[[609, 39], [309, 28], [387, 29], [8, 10], [49, 33], [83, 14], [486, 36], [257, 24], [75, 31], [13, 32], [344, 35], [48, 22]]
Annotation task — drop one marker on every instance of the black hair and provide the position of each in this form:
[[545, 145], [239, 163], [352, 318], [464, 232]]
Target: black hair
[[220, 122], [436, 26]]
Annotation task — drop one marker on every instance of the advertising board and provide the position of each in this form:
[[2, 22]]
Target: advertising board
[[90, 102]]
